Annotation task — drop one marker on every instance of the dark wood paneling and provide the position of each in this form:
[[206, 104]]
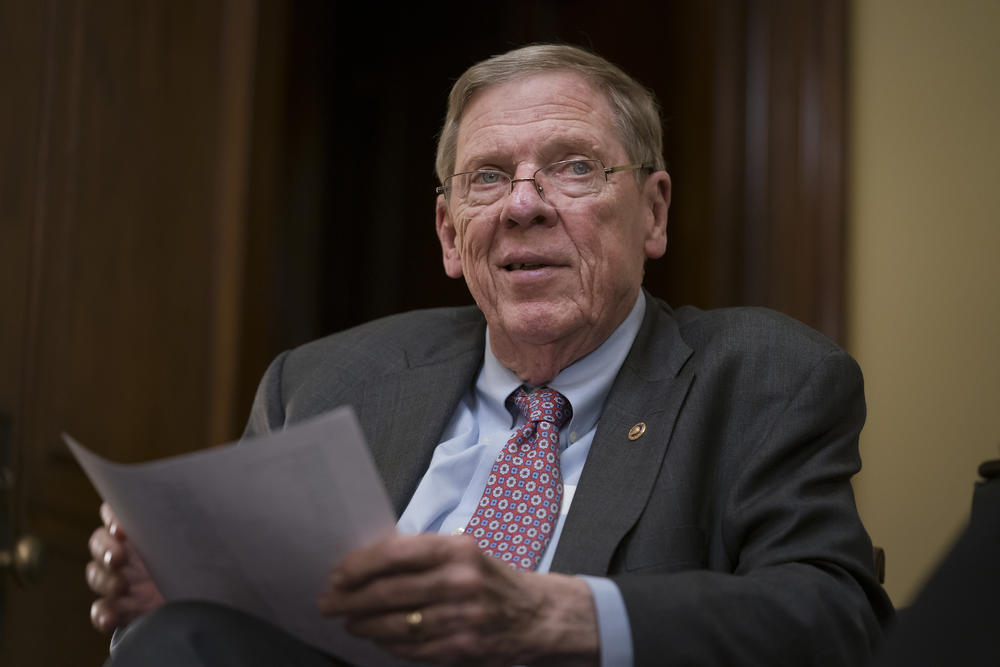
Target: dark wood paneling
[[753, 104], [126, 263], [793, 160]]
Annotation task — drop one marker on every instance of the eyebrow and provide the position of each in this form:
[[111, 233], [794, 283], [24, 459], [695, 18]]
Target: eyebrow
[[547, 155]]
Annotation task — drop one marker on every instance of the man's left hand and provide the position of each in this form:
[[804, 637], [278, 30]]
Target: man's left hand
[[439, 599]]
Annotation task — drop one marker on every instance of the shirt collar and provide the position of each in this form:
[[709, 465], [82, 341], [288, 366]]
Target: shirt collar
[[586, 382]]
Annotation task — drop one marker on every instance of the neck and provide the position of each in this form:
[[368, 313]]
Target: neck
[[537, 364], [537, 356]]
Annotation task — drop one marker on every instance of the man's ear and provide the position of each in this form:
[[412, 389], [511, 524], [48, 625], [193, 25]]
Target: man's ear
[[656, 197], [448, 236]]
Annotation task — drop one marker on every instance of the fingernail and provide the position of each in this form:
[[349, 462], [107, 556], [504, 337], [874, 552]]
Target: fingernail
[[107, 558], [113, 529], [103, 620]]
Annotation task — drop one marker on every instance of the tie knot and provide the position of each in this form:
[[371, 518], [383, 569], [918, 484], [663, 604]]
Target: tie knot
[[543, 404]]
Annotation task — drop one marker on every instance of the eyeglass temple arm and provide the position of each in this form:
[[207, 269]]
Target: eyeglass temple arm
[[626, 167]]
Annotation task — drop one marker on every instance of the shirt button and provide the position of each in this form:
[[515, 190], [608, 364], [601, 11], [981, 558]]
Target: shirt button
[[573, 437], [458, 531]]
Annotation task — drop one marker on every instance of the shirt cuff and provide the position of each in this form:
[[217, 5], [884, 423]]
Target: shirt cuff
[[613, 628]]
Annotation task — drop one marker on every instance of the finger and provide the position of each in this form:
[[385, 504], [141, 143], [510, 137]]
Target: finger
[[106, 548], [103, 616], [111, 521], [132, 564], [418, 624], [459, 577], [105, 582], [111, 611], [390, 593], [399, 553], [106, 614]]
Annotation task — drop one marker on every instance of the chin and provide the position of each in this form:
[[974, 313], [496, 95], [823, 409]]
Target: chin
[[538, 323]]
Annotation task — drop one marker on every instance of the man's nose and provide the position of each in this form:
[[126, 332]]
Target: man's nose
[[531, 179], [526, 204]]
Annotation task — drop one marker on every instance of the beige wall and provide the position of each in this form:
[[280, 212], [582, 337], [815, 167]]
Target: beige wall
[[924, 291]]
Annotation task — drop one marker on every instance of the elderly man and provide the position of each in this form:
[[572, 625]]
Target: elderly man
[[583, 474]]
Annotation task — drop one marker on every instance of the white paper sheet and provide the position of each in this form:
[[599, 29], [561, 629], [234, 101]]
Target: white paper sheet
[[257, 525]]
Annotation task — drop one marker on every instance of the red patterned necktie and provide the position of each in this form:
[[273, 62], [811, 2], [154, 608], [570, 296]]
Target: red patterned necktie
[[520, 504]]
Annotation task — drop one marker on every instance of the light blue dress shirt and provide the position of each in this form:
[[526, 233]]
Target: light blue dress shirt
[[450, 490]]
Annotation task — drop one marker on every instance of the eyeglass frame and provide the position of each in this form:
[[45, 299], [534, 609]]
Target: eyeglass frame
[[607, 170]]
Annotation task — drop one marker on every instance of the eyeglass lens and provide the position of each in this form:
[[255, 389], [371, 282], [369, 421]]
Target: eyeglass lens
[[567, 178]]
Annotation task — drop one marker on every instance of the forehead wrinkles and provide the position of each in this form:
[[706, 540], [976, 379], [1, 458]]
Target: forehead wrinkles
[[548, 139], [517, 117]]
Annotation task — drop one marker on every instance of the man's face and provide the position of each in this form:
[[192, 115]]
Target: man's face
[[563, 272]]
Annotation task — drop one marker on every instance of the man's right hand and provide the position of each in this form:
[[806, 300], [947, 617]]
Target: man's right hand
[[118, 576]]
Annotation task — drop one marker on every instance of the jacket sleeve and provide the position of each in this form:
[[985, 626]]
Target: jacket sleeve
[[798, 587]]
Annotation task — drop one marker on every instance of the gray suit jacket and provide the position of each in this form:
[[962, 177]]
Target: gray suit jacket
[[729, 525]]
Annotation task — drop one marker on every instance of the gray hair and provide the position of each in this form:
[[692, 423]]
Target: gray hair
[[634, 108]]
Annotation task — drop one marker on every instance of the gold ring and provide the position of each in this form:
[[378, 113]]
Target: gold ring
[[414, 621]]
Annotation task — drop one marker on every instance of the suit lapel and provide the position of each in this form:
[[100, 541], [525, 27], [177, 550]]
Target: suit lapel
[[405, 413], [620, 472]]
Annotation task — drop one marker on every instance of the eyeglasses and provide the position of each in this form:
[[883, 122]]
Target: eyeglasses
[[568, 179]]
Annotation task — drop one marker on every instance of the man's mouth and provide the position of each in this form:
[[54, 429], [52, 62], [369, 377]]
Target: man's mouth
[[524, 267]]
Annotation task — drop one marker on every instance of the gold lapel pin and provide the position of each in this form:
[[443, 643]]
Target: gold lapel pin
[[636, 431]]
